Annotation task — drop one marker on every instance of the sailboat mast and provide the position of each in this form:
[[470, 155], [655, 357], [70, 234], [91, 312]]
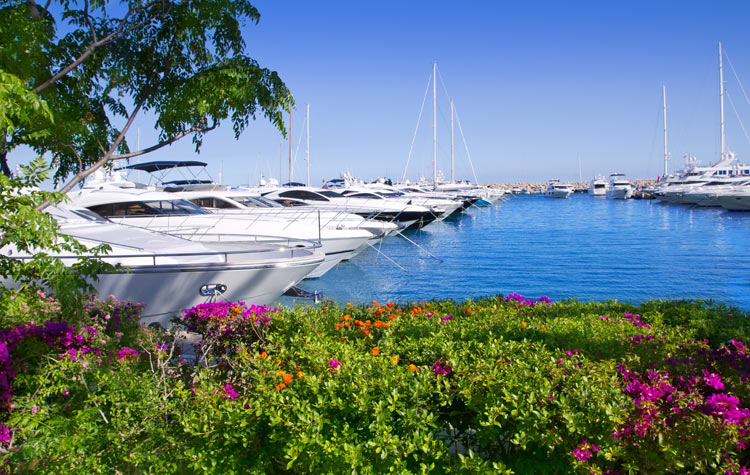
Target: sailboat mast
[[307, 121], [721, 97], [453, 178], [434, 124], [290, 145], [666, 153]]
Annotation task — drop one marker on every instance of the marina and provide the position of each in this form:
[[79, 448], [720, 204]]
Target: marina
[[582, 247]]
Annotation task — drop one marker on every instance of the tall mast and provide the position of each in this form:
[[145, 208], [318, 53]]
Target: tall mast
[[666, 153], [307, 121], [721, 96], [290, 144], [453, 178], [434, 124]]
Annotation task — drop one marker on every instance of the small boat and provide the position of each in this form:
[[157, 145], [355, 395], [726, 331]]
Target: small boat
[[598, 186], [619, 187], [556, 189]]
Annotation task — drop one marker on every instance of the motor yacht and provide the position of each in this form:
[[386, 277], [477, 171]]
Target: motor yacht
[[619, 187], [165, 212], [556, 189], [376, 207], [169, 273], [597, 186]]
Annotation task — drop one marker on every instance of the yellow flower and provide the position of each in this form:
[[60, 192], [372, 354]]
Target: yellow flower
[[300, 374], [394, 359]]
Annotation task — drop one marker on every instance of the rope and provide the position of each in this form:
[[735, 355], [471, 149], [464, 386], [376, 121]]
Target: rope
[[458, 121], [731, 102], [736, 77]]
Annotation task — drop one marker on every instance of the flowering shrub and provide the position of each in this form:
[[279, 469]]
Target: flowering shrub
[[494, 385], [224, 327]]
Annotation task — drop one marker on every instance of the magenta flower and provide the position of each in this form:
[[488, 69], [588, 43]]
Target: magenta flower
[[583, 452], [229, 392], [127, 354], [713, 380], [334, 364], [441, 368]]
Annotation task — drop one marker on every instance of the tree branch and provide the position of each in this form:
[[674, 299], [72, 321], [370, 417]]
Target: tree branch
[[107, 156], [166, 142]]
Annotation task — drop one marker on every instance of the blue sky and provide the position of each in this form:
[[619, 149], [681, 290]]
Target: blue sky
[[536, 86]]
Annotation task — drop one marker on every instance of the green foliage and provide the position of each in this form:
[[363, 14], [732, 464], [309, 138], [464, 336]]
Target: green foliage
[[30, 239], [182, 61], [517, 389]]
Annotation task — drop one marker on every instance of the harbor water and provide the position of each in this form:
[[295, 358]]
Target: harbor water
[[582, 247]]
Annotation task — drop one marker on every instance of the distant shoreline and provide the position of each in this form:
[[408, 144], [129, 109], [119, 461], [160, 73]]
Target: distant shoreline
[[538, 187]]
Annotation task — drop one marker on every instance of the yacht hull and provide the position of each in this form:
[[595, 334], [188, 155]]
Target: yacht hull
[[167, 290]]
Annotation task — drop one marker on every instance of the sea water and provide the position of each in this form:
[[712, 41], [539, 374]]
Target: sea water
[[582, 247]]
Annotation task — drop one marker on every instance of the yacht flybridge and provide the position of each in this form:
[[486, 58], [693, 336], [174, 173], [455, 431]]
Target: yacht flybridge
[[169, 273]]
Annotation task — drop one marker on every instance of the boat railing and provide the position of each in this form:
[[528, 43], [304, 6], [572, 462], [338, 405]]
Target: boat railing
[[283, 244]]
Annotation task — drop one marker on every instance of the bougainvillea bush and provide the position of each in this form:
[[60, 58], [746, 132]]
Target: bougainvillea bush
[[501, 384]]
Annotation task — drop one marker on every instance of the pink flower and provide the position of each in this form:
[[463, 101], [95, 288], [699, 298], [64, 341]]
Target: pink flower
[[334, 364]]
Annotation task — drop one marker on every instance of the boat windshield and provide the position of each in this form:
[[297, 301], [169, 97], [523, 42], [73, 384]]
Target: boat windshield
[[256, 202], [147, 208]]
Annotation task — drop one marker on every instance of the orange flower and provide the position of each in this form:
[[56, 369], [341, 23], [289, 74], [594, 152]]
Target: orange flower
[[288, 378], [263, 355], [390, 304], [412, 367], [337, 326], [375, 303], [280, 373], [367, 332], [394, 359], [300, 374], [375, 351], [347, 317], [325, 308], [468, 311], [543, 327], [280, 386], [392, 317], [523, 324], [347, 324]]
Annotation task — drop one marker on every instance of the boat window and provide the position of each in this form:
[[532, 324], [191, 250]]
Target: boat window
[[330, 194], [366, 195], [88, 215], [265, 201], [210, 202], [170, 207], [290, 202], [302, 195]]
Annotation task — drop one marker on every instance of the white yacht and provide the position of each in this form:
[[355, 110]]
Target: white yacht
[[376, 207], [619, 187], [597, 186], [556, 189], [165, 212], [169, 273]]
